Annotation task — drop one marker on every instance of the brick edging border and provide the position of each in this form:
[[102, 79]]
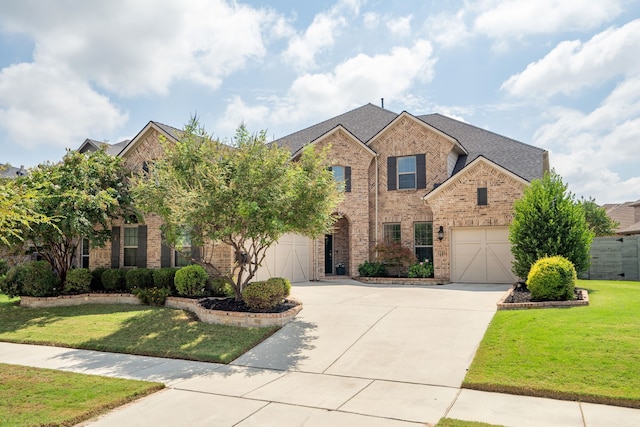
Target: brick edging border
[[502, 305], [401, 281], [260, 320]]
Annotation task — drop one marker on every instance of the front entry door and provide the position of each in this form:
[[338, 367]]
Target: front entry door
[[328, 254]]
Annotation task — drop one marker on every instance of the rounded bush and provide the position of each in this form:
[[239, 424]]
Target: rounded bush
[[164, 278], [191, 281], [114, 280], [552, 279], [33, 278], [372, 269], [96, 279], [285, 283], [78, 281], [263, 295], [220, 287], [141, 278]]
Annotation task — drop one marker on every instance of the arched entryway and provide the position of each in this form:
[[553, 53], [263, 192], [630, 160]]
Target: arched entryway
[[336, 249]]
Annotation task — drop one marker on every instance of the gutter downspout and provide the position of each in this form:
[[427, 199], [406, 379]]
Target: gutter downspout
[[377, 191]]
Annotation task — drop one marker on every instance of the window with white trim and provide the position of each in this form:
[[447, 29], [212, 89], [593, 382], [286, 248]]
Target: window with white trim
[[406, 172], [423, 241]]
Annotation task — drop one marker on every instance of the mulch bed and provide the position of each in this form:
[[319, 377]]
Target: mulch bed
[[230, 304], [521, 294]]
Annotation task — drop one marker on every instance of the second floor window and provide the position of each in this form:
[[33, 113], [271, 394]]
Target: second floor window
[[342, 176], [406, 172]]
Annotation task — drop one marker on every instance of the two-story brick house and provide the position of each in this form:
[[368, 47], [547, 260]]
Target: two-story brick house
[[439, 186]]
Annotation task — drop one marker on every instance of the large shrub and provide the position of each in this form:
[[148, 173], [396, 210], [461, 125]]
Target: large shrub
[[263, 295], [4, 267], [372, 269], [141, 278], [191, 281], [164, 278], [34, 278], [394, 254], [78, 281], [114, 280], [552, 279], [548, 222], [96, 279]]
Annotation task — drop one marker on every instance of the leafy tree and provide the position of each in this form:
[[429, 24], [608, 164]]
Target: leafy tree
[[548, 222], [81, 195], [597, 219], [245, 195], [16, 211]]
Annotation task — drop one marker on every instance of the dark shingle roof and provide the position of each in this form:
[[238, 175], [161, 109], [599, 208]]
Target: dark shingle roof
[[7, 171], [522, 159], [363, 122], [170, 130]]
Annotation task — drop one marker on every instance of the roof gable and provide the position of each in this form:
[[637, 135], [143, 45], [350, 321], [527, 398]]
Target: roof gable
[[168, 131], [338, 128], [469, 166], [363, 123]]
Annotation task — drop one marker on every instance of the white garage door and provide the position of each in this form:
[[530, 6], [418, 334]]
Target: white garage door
[[290, 257], [481, 255]]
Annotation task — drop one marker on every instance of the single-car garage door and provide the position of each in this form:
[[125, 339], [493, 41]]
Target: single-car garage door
[[481, 255], [290, 257]]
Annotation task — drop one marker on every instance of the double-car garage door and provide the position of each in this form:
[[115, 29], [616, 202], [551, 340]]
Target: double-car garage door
[[481, 255]]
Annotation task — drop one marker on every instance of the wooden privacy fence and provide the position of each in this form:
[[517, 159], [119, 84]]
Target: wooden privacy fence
[[614, 258]]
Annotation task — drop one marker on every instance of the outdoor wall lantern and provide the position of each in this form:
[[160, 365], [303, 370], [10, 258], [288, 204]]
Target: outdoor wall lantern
[[440, 233]]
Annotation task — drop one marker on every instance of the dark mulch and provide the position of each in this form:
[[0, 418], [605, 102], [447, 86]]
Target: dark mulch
[[230, 304], [521, 294]]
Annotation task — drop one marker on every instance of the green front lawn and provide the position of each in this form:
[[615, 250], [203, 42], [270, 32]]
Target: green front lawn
[[584, 353], [120, 328], [39, 397]]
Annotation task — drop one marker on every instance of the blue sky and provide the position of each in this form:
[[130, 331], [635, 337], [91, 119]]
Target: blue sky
[[561, 75]]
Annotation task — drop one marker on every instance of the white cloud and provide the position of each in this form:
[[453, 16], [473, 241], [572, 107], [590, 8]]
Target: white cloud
[[41, 105], [573, 65], [140, 49], [516, 18], [352, 83], [371, 20], [320, 35], [448, 29], [400, 27], [597, 153]]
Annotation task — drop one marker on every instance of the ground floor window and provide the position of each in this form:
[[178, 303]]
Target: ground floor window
[[391, 233], [182, 254], [130, 245], [85, 253], [423, 240]]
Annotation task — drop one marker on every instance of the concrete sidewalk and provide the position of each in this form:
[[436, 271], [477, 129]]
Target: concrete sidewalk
[[356, 355]]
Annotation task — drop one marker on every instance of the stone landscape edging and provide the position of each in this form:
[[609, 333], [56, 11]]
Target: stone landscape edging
[[502, 305], [234, 318]]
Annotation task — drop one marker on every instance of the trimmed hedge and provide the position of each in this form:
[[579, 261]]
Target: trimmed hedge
[[96, 279], [220, 287], [164, 278], [141, 278], [78, 281], [372, 269], [33, 278], [114, 280], [191, 281], [552, 279], [263, 295]]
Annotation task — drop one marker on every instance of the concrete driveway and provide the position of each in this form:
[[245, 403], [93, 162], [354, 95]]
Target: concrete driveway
[[356, 355]]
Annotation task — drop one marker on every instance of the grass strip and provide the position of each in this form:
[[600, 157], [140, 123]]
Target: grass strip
[[121, 328], [588, 353], [38, 397], [452, 422]]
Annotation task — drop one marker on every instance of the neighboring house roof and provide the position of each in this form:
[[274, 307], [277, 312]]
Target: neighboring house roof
[[522, 159], [366, 122], [627, 215], [11, 171]]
